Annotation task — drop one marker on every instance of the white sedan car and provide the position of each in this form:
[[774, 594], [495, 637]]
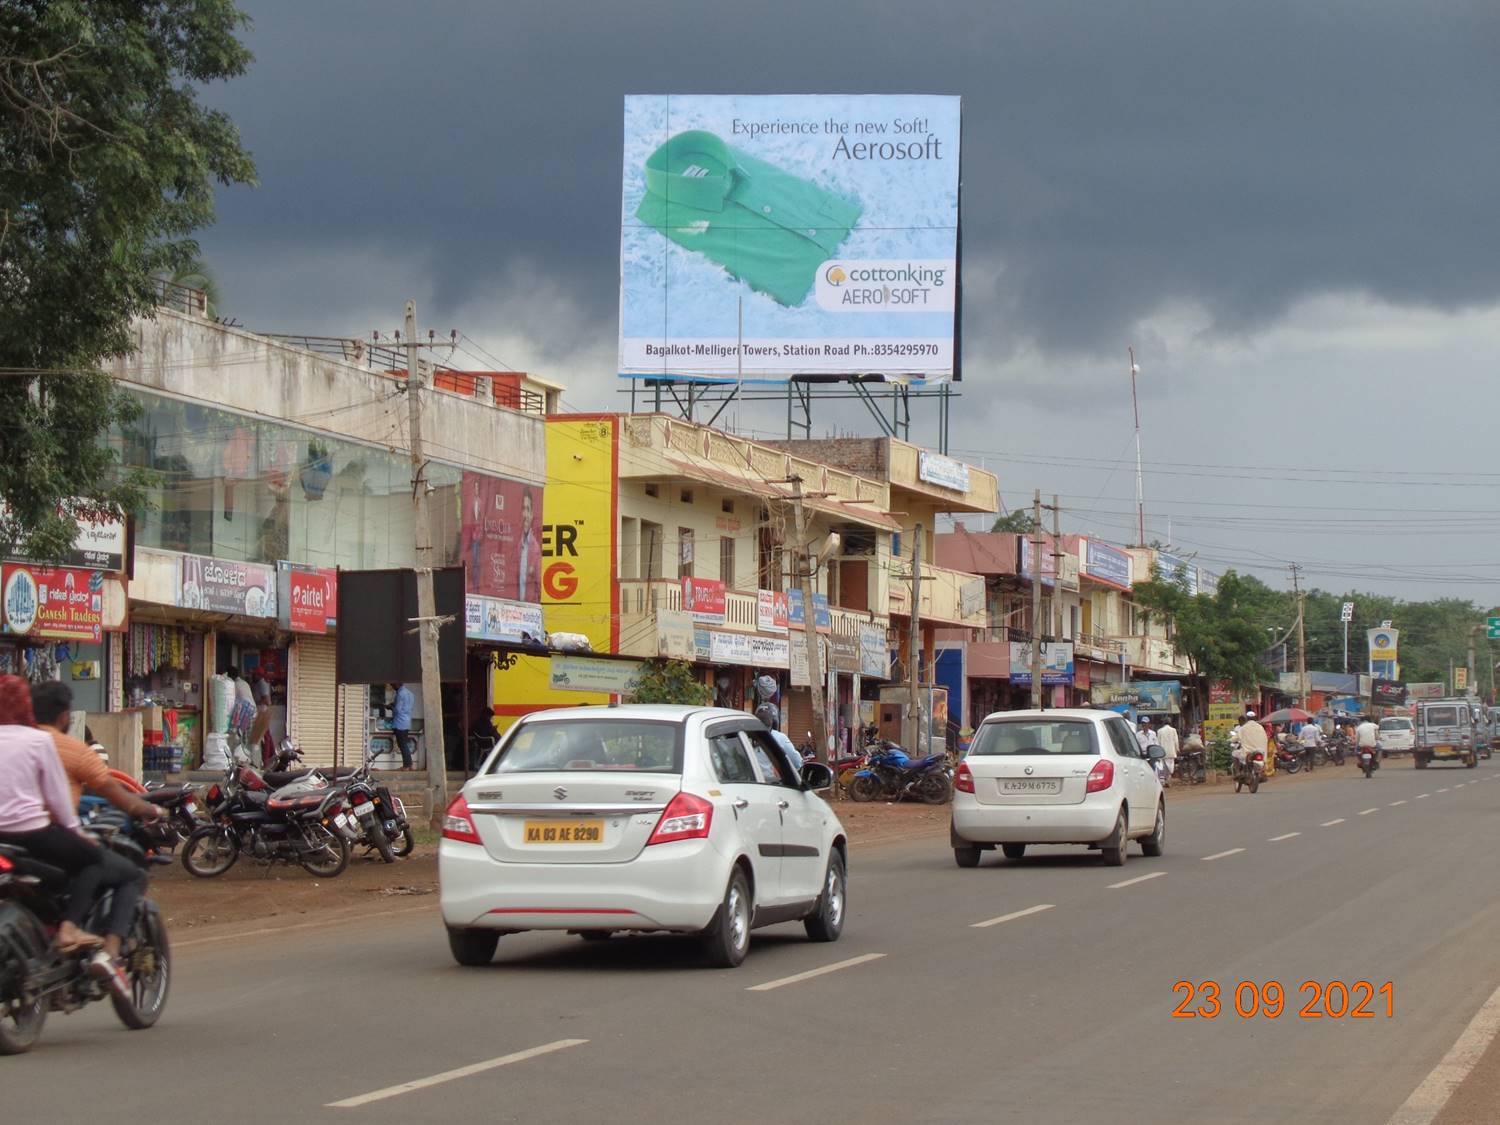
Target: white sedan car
[[1056, 777], [593, 820]]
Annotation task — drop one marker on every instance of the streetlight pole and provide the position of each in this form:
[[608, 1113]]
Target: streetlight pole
[[1140, 501]]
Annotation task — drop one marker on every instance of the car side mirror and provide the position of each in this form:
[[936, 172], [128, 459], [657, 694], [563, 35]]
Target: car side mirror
[[817, 777], [1155, 752]]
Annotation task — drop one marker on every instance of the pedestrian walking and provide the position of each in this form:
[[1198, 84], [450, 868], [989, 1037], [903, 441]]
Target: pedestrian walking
[[1167, 739], [401, 722]]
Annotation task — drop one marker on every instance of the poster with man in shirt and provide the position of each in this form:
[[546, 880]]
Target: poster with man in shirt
[[775, 235], [500, 537]]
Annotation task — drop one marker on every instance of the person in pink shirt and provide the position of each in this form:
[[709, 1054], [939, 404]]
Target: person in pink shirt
[[37, 813]]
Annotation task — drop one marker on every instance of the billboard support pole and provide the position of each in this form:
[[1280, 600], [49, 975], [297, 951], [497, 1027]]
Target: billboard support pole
[[427, 620]]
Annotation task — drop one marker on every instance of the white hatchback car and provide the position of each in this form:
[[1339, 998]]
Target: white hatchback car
[[593, 820], [1056, 777], [1396, 735]]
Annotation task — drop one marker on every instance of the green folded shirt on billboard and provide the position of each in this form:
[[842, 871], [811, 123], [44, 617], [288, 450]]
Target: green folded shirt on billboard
[[768, 228]]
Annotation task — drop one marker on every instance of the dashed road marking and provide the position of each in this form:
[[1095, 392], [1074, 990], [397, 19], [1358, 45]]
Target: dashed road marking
[[1018, 914], [1331, 823], [1443, 790], [450, 1075], [798, 978], [1367, 812], [1221, 855], [1421, 795], [1137, 879], [1393, 804], [1278, 839]]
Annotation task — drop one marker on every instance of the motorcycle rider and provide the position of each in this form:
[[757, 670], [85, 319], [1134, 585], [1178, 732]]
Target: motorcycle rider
[[35, 812], [1252, 739], [51, 703], [1366, 736]]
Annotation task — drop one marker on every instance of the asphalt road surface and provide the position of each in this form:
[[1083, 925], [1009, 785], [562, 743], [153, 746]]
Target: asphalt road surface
[[1037, 991]]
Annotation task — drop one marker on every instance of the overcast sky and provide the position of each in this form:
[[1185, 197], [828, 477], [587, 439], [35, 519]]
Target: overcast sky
[[1291, 210]]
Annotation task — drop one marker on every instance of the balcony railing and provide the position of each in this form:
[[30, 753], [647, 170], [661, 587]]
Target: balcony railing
[[1101, 642]]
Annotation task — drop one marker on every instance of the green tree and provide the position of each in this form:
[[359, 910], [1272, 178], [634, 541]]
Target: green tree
[[1020, 521], [1223, 635], [107, 165], [670, 681]]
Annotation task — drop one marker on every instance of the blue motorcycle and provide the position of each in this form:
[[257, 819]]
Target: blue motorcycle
[[890, 774]]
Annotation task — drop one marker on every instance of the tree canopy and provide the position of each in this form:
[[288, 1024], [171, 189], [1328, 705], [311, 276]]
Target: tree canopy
[[108, 163]]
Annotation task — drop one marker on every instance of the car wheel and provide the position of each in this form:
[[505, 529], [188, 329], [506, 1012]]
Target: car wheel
[[1013, 851], [966, 855], [727, 939], [826, 923], [1156, 843], [1420, 761], [473, 947], [1114, 852], [596, 935]]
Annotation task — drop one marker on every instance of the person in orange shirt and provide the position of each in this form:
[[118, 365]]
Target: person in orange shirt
[[51, 703]]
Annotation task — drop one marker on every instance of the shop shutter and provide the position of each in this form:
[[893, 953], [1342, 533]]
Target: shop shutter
[[797, 707], [314, 699], [354, 733]]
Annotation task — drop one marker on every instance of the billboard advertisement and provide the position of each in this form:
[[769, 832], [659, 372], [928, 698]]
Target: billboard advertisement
[[770, 236], [703, 600], [1146, 697], [500, 537], [577, 551], [55, 602], [1383, 653], [1057, 662], [1106, 564], [307, 598]]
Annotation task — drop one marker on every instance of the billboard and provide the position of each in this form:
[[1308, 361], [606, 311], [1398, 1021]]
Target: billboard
[[769, 236], [577, 553], [1106, 564], [1146, 697], [55, 602], [1384, 658], [1057, 662], [500, 537]]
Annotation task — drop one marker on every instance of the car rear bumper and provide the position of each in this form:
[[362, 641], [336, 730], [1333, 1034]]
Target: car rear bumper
[[674, 887], [1086, 823]]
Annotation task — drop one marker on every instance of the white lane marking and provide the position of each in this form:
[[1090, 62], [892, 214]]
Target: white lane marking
[[450, 1075], [797, 978], [1421, 795], [1367, 812], [1278, 839], [1428, 1099], [1013, 914], [1137, 879], [1460, 785], [1393, 804], [1221, 855], [1443, 790], [1331, 823]]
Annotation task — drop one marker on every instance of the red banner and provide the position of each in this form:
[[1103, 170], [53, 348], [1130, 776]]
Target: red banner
[[57, 602], [704, 599], [501, 537], [312, 600]]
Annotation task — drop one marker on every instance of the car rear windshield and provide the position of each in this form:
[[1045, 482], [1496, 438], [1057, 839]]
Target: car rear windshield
[[1035, 736], [1395, 724], [1440, 716], [633, 745]]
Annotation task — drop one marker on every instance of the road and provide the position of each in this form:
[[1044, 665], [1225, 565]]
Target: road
[[1058, 1011]]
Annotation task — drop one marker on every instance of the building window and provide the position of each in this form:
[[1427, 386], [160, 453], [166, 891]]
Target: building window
[[686, 495], [685, 552], [726, 560], [653, 491], [727, 506]]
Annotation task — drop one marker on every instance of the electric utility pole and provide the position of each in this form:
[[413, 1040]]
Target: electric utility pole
[[802, 569], [1301, 636], [1473, 685], [1057, 554], [427, 621], [914, 663], [1036, 601]]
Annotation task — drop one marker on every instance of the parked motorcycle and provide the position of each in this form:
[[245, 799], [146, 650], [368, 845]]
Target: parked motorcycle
[[891, 774], [1289, 757], [380, 816], [297, 824], [1249, 772], [35, 979]]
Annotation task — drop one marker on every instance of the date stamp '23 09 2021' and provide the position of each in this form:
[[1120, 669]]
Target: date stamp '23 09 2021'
[[1247, 999]]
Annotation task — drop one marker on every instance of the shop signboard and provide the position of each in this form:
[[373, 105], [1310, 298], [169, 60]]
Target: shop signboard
[[54, 602], [764, 237], [496, 619], [1177, 571], [797, 662], [730, 648], [820, 607], [1057, 662], [593, 674], [773, 611], [1383, 652], [770, 652], [1388, 693], [307, 597], [226, 586], [100, 543], [1426, 690], [942, 471], [500, 537], [1106, 564], [703, 600], [845, 653], [1146, 697], [874, 658], [674, 634]]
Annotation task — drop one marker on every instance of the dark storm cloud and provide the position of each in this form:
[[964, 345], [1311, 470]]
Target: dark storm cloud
[[1117, 155]]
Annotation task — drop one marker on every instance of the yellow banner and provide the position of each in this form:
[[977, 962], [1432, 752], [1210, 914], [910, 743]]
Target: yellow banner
[[579, 594]]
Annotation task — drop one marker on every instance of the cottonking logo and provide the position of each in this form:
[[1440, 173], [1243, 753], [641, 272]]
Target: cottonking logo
[[20, 601], [887, 286]]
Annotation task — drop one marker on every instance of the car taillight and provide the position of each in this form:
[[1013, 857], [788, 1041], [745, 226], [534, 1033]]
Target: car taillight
[[458, 825], [963, 779], [1101, 777], [686, 817], [6, 864]]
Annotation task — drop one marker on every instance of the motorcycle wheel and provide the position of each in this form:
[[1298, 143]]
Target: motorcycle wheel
[[864, 789], [148, 964], [408, 844], [1369, 769], [20, 1020], [331, 856], [210, 851], [935, 789], [1254, 782], [380, 841], [1292, 766], [1238, 782]]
